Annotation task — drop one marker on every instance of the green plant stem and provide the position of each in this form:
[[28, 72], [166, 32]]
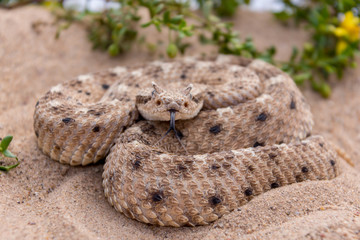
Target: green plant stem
[[7, 168]]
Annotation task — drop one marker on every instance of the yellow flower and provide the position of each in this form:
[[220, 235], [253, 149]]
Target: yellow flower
[[341, 46], [340, 32], [349, 29]]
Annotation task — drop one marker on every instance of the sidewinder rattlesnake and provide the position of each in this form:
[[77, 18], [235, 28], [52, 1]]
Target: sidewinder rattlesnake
[[252, 134]]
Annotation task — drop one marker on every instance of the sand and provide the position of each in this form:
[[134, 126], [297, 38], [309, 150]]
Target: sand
[[43, 199]]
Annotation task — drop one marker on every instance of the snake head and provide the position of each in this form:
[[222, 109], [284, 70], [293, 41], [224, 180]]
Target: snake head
[[157, 104]]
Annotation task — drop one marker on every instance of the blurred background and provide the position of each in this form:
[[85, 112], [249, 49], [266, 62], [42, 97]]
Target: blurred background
[[118, 26], [99, 5]]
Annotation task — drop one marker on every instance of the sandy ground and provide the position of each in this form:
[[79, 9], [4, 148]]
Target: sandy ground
[[42, 199]]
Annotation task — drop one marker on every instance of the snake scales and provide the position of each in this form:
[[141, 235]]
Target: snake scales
[[253, 133]]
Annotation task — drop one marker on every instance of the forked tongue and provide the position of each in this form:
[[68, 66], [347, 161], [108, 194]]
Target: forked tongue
[[172, 127]]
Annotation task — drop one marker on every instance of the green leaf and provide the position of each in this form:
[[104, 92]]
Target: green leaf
[[294, 54], [172, 50], [166, 16], [145, 25], [329, 68], [8, 154], [159, 8], [157, 25], [113, 50], [204, 40], [300, 78], [177, 19], [325, 90], [5, 143], [316, 86], [226, 8], [308, 47]]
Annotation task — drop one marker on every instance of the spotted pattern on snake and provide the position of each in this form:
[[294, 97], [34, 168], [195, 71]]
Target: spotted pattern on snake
[[252, 134]]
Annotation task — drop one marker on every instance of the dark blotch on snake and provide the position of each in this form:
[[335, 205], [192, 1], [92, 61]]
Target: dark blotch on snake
[[262, 117], [157, 197], [67, 120], [96, 128], [37, 104], [88, 93], [298, 178], [182, 167], [251, 168], [332, 162], [292, 104], [215, 167], [105, 86], [215, 129], [214, 200], [248, 192], [274, 185], [137, 164], [304, 169], [257, 144]]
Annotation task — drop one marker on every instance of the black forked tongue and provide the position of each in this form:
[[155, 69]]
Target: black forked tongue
[[172, 121], [172, 127]]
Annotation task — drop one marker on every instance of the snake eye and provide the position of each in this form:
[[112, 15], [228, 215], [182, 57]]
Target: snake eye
[[186, 104], [158, 102]]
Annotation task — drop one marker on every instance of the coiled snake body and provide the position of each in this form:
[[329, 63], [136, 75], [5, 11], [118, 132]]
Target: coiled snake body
[[242, 128]]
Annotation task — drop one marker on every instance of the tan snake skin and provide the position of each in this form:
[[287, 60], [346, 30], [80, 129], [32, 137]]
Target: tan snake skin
[[252, 135]]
